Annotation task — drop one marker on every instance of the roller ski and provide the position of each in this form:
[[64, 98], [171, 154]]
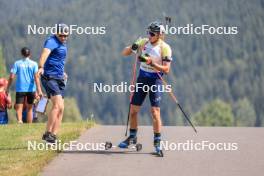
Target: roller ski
[[129, 143]]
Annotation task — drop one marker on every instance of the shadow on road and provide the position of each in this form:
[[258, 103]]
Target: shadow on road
[[105, 152]]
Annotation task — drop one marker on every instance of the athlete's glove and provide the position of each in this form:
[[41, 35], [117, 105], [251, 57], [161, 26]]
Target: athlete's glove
[[145, 58], [135, 45]]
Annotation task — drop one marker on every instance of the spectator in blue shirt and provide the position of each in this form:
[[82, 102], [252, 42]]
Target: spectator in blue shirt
[[51, 71], [25, 71]]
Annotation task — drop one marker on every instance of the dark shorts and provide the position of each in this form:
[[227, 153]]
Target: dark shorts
[[141, 93], [53, 86], [3, 117], [20, 96]]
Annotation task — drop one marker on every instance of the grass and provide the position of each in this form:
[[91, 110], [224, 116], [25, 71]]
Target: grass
[[16, 159]]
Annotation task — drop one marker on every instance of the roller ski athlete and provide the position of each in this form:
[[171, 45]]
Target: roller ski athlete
[[155, 58]]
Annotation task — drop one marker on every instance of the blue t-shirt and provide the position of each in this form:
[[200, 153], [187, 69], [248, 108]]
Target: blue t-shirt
[[25, 69], [54, 66]]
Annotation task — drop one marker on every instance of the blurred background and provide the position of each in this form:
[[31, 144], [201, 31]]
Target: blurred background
[[218, 79]]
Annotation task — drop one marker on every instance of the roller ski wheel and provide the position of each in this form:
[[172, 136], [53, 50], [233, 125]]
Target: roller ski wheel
[[138, 147], [129, 143], [108, 145]]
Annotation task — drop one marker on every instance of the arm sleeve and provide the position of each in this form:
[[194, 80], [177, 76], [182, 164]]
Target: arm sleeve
[[142, 41], [166, 53]]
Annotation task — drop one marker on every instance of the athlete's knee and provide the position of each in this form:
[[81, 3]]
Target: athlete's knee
[[29, 107], [61, 105], [134, 110], [18, 108], [61, 108], [155, 113], [57, 106]]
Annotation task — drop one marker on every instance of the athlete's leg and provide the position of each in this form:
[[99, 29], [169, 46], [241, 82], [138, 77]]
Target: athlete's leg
[[57, 107], [137, 100], [19, 110], [155, 112], [19, 105], [57, 123], [134, 110], [155, 98], [29, 113], [30, 101]]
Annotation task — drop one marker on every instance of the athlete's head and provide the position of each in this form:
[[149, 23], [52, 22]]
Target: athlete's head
[[62, 32], [25, 52], [155, 31]]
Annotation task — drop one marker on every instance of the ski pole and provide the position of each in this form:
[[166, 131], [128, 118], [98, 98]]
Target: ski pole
[[132, 82], [176, 101]]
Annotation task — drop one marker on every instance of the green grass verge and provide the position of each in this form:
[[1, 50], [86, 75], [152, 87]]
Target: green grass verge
[[16, 159]]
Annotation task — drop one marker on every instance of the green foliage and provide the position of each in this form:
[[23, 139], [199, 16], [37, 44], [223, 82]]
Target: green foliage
[[3, 72], [216, 113], [71, 111], [204, 68], [244, 113], [17, 159]]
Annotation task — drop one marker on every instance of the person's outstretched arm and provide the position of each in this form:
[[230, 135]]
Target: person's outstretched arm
[[43, 58], [127, 51]]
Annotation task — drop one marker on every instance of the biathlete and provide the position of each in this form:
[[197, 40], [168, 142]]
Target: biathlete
[[155, 56]]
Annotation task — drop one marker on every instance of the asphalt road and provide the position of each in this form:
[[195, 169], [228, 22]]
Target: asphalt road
[[243, 154]]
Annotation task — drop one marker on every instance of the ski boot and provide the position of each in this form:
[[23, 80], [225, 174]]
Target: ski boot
[[129, 141], [157, 147]]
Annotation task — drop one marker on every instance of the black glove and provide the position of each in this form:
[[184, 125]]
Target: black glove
[[142, 58], [145, 58], [134, 47]]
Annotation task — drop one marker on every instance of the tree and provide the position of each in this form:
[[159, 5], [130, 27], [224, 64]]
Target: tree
[[216, 113], [71, 111], [3, 72], [244, 113]]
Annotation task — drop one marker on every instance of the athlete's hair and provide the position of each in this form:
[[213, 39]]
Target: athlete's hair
[[25, 52]]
